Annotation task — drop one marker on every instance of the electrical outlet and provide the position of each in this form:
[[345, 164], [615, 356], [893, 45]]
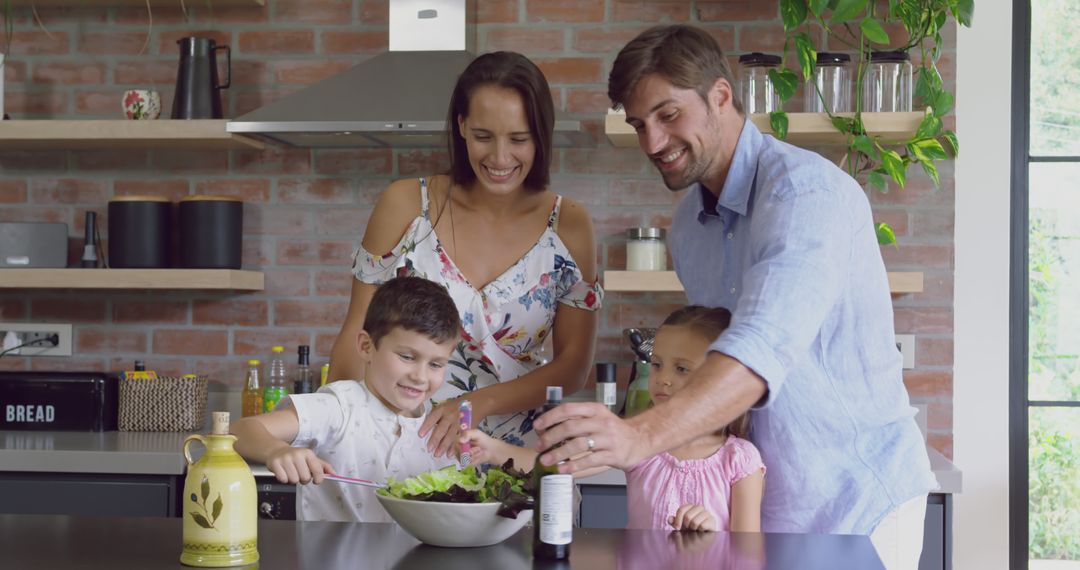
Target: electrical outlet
[[905, 343], [26, 332]]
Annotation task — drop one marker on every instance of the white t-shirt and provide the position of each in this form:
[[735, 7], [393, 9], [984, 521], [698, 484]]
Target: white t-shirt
[[346, 425]]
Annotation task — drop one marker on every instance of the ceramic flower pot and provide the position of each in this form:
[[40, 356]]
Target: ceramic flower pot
[[219, 503], [142, 104]]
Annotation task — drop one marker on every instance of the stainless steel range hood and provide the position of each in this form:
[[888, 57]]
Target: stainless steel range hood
[[395, 99]]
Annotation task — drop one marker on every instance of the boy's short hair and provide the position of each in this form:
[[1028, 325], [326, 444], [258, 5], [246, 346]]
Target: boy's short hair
[[414, 304]]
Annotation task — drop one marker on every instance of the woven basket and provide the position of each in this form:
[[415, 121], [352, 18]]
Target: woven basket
[[165, 404]]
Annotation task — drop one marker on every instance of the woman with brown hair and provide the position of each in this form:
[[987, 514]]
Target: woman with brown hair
[[518, 259]]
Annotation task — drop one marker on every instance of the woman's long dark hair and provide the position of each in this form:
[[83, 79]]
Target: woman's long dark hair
[[509, 70]]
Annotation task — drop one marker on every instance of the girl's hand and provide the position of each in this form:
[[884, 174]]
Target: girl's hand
[[693, 517], [298, 465], [443, 425], [483, 448]]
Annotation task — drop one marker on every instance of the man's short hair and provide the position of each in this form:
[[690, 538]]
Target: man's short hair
[[414, 304], [687, 57]]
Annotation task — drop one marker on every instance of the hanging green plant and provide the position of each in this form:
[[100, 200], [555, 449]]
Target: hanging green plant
[[861, 26]]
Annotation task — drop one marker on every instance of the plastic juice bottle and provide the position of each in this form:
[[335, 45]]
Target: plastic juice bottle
[[637, 394], [252, 398], [219, 503], [553, 514], [276, 381]]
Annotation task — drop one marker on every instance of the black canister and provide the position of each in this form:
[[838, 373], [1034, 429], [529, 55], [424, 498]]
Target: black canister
[[139, 229], [210, 232]]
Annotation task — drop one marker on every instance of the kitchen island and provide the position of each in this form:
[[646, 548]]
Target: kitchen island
[[141, 474], [49, 541]]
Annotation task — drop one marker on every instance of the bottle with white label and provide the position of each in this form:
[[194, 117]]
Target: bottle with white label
[[553, 512], [605, 384]]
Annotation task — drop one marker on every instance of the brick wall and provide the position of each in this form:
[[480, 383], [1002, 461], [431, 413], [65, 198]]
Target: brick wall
[[304, 210]]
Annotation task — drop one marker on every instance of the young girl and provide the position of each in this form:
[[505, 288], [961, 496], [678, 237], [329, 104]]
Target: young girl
[[712, 483]]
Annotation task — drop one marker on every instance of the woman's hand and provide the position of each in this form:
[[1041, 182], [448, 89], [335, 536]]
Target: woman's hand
[[693, 517], [298, 465], [443, 425]]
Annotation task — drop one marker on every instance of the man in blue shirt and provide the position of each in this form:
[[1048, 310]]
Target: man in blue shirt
[[785, 240]]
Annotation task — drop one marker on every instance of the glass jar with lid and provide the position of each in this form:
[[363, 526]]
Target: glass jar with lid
[[755, 88], [645, 249], [887, 85], [832, 76]]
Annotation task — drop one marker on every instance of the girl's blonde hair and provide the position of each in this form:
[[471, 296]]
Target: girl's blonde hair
[[710, 323]]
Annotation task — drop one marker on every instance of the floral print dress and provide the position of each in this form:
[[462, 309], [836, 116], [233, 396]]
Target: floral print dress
[[505, 323]]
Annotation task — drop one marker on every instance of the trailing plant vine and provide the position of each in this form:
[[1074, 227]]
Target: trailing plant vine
[[861, 26]]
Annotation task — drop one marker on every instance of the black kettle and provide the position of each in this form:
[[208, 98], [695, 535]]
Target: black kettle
[[198, 92]]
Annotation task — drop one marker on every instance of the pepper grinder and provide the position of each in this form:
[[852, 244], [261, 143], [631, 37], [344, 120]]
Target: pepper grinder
[[90, 256], [605, 384]]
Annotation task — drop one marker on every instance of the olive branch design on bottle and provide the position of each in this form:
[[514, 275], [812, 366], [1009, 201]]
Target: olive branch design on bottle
[[206, 519]]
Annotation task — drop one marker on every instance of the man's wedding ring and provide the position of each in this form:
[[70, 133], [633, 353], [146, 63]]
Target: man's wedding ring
[[590, 443]]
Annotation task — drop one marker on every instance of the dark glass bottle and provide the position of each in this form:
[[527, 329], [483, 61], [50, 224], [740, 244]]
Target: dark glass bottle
[[303, 383], [553, 515]]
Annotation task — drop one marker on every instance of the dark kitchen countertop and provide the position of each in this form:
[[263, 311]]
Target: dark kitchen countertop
[[31, 541], [153, 453]]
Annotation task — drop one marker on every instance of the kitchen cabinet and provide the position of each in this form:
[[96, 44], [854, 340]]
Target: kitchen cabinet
[[900, 282], [804, 129], [85, 494], [199, 134], [131, 279]]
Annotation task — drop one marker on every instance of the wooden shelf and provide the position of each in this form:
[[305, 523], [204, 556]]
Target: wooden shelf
[[641, 281], [202, 134], [666, 281], [905, 282], [803, 128], [137, 3], [131, 279]]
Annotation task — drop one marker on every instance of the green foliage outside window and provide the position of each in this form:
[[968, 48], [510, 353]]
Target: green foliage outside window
[[1054, 445]]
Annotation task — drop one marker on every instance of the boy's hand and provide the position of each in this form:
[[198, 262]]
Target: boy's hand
[[693, 517], [298, 465]]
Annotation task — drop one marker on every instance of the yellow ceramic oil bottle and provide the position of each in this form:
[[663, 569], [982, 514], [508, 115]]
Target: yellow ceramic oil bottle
[[219, 508]]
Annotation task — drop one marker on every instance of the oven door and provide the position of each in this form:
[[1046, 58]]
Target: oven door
[[276, 501]]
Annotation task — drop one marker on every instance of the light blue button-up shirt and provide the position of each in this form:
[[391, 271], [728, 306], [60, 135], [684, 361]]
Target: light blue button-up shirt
[[790, 249]]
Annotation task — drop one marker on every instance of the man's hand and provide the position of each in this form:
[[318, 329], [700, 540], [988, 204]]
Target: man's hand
[[693, 517], [615, 442], [298, 465]]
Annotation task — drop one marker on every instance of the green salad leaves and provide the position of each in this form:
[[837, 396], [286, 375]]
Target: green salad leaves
[[505, 484]]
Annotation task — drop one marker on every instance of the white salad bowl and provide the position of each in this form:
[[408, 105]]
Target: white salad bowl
[[453, 524]]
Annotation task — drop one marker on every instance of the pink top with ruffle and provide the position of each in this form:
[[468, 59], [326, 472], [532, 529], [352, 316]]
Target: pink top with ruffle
[[658, 486]]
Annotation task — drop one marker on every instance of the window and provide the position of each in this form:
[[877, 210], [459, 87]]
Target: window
[[1045, 426]]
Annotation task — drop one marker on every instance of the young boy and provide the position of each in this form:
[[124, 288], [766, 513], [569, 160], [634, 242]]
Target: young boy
[[364, 429]]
